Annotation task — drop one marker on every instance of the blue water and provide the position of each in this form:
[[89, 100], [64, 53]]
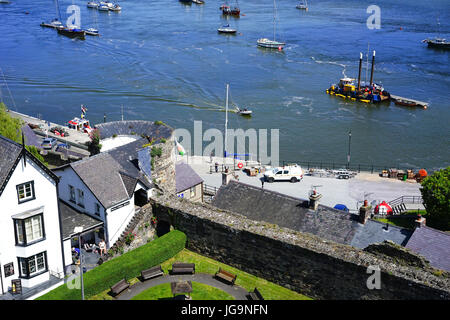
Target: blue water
[[163, 60]]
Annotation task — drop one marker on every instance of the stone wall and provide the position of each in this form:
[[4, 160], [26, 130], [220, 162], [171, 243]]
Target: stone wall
[[301, 262], [164, 167]]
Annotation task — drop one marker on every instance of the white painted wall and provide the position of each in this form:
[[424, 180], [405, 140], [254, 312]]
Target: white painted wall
[[118, 220], [46, 196]]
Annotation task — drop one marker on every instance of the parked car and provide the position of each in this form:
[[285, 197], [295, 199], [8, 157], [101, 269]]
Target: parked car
[[342, 207], [292, 173], [49, 143]]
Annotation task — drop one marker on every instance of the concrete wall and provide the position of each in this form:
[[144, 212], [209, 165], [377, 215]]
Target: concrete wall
[[301, 262], [45, 197]]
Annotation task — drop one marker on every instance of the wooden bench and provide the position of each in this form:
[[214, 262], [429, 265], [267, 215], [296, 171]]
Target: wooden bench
[[226, 276], [152, 272], [255, 295], [119, 287], [180, 267]]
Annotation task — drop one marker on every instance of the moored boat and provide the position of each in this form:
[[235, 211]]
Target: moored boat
[[103, 7], [92, 4], [226, 29], [302, 5], [72, 32], [227, 10], [198, 1], [92, 32], [271, 44], [55, 23], [437, 43], [115, 8]]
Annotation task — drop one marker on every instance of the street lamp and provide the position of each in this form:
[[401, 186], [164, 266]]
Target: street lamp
[[79, 230], [349, 141]]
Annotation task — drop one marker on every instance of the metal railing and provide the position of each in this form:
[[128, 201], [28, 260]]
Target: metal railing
[[406, 199], [352, 166]]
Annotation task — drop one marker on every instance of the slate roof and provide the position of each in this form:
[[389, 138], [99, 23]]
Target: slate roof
[[101, 174], [71, 218], [185, 177], [129, 183], [290, 212], [9, 153], [432, 244]]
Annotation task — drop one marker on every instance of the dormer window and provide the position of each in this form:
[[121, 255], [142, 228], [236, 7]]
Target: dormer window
[[25, 191]]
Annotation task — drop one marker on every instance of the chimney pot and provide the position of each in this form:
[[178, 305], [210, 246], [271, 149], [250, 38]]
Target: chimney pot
[[314, 200], [364, 212]]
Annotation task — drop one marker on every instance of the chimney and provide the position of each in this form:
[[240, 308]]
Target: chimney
[[226, 177], [314, 200], [364, 212], [420, 221]]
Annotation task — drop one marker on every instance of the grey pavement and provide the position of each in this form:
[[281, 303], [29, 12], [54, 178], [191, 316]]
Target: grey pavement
[[351, 192], [237, 292]]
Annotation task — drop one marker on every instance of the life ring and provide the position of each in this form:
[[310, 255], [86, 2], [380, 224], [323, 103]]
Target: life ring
[[240, 165]]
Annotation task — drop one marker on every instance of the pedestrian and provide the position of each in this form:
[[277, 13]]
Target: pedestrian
[[262, 183], [216, 165], [102, 247]]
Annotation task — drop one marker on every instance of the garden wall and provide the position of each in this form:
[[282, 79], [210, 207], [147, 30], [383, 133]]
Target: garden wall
[[301, 262]]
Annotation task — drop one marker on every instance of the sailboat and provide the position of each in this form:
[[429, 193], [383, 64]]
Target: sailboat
[[437, 42], [271, 44], [302, 5]]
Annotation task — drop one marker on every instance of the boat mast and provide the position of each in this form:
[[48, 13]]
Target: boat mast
[[58, 11], [274, 16], [226, 123], [373, 65], [359, 72]]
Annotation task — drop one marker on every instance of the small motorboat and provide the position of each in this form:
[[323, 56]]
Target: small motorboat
[[437, 43], [92, 32], [406, 103], [198, 1], [302, 5], [243, 112], [186, 1], [115, 8], [92, 4], [226, 29], [109, 4], [54, 24], [72, 32]]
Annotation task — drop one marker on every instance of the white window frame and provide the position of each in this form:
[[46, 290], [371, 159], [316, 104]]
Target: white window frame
[[22, 189]]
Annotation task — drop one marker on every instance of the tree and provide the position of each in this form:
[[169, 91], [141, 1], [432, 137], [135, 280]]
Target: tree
[[9, 126], [35, 152], [436, 198], [94, 145]]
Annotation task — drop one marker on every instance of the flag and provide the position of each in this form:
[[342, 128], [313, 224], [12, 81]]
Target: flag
[[83, 109]]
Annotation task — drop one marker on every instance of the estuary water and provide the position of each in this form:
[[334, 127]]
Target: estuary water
[[163, 60]]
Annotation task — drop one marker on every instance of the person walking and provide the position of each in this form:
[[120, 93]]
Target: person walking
[[262, 183]]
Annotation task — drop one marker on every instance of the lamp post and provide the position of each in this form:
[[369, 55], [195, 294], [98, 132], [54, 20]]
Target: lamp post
[[79, 230], [349, 141]]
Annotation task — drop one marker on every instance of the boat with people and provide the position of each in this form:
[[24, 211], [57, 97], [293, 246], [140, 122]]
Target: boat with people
[[72, 32], [93, 4], [227, 29], [268, 43], [55, 23], [370, 92], [243, 112], [227, 10]]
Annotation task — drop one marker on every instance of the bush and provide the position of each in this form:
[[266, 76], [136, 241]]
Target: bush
[[127, 266]]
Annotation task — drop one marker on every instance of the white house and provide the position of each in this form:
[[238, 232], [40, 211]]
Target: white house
[[30, 234], [105, 188]]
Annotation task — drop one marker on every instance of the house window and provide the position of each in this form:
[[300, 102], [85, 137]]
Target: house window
[[33, 266], [97, 209], [25, 191], [80, 198], [192, 192], [29, 230], [72, 193]]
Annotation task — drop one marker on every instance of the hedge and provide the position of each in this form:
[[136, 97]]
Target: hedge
[[128, 265]]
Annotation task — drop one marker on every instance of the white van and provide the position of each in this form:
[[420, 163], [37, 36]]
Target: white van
[[292, 173]]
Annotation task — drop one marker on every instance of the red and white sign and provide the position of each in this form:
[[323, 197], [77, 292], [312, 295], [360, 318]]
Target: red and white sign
[[240, 165]]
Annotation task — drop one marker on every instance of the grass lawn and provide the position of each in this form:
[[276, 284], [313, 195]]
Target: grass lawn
[[399, 222], [269, 290], [200, 291]]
